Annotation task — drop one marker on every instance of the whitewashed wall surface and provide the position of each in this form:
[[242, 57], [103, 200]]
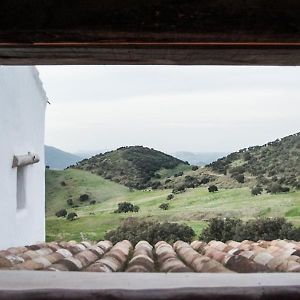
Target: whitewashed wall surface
[[22, 124]]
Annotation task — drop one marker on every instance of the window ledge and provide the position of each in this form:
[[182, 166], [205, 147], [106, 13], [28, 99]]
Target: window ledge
[[76, 285]]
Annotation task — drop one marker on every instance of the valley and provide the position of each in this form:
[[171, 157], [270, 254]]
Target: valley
[[255, 182], [193, 207]]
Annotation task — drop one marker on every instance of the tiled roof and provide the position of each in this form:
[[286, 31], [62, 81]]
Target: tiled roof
[[215, 256]]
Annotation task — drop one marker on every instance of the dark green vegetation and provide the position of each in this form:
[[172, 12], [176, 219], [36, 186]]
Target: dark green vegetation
[[194, 207], [135, 166], [254, 230], [240, 194], [277, 162], [212, 188], [135, 230], [164, 206], [125, 207], [58, 159], [61, 213], [72, 216]]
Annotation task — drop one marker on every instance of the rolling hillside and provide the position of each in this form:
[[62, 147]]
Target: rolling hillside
[[194, 207], [275, 162], [135, 166], [58, 159], [70, 184], [151, 176]]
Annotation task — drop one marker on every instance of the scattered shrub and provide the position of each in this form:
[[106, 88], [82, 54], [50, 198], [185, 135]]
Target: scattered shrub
[[155, 185], [164, 206], [84, 197], [63, 183], [220, 229], [254, 230], [124, 207], [61, 213], [72, 216], [239, 178], [276, 188], [195, 168], [170, 196], [204, 180], [136, 208], [135, 230], [212, 188], [256, 190], [168, 180], [92, 202], [70, 202], [191, 182], [179, 189]]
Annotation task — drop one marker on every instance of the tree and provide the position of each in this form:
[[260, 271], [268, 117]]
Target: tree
[[212, 188], [134, 230], [239, 178], [179, 189], [72, 216], [124, 207], [61, 213], [220, 229], [254, 230], [204, 180], [275, 188], [164, 206], [136, 208], [170, 196], [155, 185], [70, 202], [84, 197], [256, 190]]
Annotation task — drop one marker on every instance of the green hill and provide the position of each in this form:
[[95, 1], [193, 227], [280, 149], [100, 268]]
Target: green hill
[[135, 166], [193, 207], [70, 184], [276, 162]]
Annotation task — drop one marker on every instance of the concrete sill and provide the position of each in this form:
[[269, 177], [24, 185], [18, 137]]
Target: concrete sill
[[81, 285]]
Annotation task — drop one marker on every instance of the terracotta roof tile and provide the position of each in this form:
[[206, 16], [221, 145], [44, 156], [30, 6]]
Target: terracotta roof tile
[[215, 256]]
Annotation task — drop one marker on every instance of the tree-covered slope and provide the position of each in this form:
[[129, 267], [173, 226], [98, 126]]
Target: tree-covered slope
[[134, 166], [275, 162]]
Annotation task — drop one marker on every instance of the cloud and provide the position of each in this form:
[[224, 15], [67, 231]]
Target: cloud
[[170, 108]]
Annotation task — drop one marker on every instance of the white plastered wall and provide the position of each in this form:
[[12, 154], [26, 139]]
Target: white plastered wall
[[22, 125]]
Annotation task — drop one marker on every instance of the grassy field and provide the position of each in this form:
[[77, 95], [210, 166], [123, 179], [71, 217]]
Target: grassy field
[[194, 207]]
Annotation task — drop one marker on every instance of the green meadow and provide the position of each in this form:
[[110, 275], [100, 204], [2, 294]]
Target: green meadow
[[193, 207]]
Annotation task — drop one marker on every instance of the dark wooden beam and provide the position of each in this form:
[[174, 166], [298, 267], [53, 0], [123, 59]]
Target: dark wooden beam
[[237, 32]]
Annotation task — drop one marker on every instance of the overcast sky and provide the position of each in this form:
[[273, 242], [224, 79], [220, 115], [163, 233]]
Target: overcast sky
[[170, 108]]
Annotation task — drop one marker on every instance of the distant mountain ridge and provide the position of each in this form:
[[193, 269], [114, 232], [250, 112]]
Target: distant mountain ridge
[[199, 158], [58, 159], [133, 166]]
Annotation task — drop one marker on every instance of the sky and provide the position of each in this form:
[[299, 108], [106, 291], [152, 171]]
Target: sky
[[169, 108]]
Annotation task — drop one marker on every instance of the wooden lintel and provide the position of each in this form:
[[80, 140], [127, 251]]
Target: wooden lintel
[[236, 32]]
